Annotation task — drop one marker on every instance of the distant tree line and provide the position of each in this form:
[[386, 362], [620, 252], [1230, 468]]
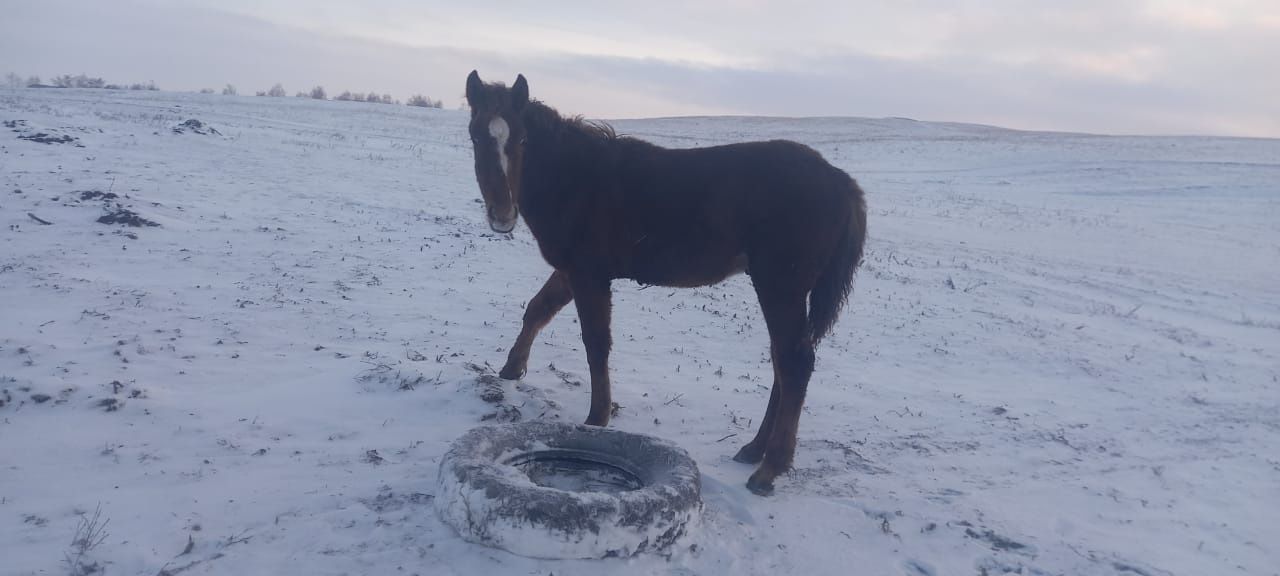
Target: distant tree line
[[319, 93], [276, 91], [373, 97], [424, 102], [13, 80]]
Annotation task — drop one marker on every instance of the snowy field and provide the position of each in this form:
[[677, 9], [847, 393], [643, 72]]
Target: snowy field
[[1062, 356]]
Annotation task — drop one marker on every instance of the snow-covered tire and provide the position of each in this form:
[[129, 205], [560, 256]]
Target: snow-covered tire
[[483, 495]]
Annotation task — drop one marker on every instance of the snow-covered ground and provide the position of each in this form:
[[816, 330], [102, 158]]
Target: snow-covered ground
[[1062, 355]]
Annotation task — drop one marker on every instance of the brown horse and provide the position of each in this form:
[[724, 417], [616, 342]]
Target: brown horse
[[604, 207]]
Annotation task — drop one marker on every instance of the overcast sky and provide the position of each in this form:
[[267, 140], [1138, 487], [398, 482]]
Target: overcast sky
[[1111, 66]]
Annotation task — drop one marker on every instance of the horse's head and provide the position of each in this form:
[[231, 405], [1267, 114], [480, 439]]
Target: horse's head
[[497, 139]]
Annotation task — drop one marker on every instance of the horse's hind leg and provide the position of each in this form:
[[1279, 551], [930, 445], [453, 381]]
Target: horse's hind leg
[[753, 452], [544, 306], [793, 357], [594, 299]]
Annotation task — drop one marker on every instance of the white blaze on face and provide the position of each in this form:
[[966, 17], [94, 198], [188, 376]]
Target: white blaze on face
[[500, 131]]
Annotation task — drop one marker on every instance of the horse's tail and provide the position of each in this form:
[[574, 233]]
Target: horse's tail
[[832, 290]]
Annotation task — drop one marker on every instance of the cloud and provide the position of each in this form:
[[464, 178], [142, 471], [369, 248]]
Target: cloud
[[1089, 65]]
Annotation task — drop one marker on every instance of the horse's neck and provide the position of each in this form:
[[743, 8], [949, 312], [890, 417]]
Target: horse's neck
[[568, 147], [553, 199], [543, 120]]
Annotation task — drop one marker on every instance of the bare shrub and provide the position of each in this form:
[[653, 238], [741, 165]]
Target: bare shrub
[[90, 532]]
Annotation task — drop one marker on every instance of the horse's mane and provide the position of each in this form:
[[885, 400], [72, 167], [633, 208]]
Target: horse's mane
[[542, 118]]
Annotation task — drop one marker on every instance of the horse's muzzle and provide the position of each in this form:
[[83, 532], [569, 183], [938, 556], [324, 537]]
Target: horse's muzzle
[[503, 225]]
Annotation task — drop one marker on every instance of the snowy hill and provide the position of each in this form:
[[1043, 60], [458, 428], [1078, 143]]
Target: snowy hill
[[1062, 355]]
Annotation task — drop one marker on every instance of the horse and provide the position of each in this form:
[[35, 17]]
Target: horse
[[604, 207]]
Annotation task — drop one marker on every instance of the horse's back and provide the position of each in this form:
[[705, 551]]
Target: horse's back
[[694, 215]]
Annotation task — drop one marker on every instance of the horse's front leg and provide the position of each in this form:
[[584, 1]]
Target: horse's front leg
[[594, 299], [544, 306]]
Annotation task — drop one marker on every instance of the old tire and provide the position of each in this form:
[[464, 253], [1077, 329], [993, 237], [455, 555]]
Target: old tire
[[482, 494]]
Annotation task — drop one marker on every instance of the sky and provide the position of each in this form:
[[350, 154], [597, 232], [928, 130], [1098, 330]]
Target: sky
[[1104, 66]]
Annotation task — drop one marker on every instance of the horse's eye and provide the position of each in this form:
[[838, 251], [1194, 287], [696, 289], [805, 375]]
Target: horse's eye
[[524, 140]]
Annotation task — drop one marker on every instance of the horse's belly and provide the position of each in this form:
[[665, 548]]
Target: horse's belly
[[686, 269]]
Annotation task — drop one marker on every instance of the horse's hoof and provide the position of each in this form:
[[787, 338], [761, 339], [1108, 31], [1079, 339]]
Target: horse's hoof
[[511, 373], [759, 486], [749, 455]]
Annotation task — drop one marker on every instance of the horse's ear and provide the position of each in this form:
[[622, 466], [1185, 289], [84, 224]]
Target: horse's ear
[[520, 93], [475, 88]]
